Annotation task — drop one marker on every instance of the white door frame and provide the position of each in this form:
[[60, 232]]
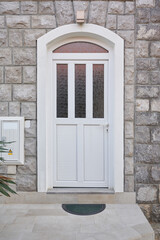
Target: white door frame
[[45, 45]]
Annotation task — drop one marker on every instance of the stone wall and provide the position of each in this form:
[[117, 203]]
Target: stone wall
[[147, 111], [22, 22]]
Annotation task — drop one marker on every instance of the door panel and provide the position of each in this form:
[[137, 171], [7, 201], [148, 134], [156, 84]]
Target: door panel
[[94, 165], [80, 145], [66, 153]]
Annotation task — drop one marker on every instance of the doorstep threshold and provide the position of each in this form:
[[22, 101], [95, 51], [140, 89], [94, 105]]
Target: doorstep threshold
[[80, 191]]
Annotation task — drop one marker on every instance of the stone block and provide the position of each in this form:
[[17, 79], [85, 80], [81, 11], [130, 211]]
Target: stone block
[[128, 36], [28, 110], [126, 22], [29, 166], [30, 147], [24, 56], [3, 109], [146, 208], [14, 109], [18, 21], [129, 129], [31, 35], [145, 3], [5, 56], [13, 74], [11, 170], [155, 173], [26, 182], [142, 105], [143, 15], [81, 6], [5, 92], [9, 7], [111, 22], [148, 32], [129, 111], [155, 105], [97, 14], [129, 9], [147, 118], [32, 131], [64, 12], [147, 153], [28, 7], [24, 92], [155, 15], [129, 57], [128, 147], [129, 169], [3, 169], [129, 93], [43, 21], [1, 74], [15, 38], [142, 174], [155, 213], [147, 194], [155, 49], [129, 75], [129, 183], [146, 64], [3, 38], [142, 49], [2, 22], [116, 7], [142, 78], [147, 92], [46, 7], [155, 77], [142, 134], [155, 134], [29, 74]]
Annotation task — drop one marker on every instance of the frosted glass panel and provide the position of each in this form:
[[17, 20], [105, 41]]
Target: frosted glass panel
[[98, 90], [80, 90], [80, 47], [62, 90]]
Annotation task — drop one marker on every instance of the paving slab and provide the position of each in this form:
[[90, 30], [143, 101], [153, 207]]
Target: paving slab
[[51, 222]]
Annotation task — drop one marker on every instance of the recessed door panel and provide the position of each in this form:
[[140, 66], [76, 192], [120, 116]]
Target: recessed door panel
[[66, 153], [94, 162]]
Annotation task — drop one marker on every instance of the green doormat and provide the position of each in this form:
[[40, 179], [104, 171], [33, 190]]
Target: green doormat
[[83, 209]]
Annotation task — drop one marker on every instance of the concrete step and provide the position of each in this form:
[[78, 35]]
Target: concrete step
[[43, 198]]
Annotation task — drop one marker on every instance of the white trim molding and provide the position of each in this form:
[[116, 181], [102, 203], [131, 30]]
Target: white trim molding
[[45, 45]]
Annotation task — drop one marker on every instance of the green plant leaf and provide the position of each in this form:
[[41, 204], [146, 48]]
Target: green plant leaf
[[4, 192], [4, 185]]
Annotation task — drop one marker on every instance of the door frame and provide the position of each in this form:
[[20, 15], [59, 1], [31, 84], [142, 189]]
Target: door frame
[[45, 45]]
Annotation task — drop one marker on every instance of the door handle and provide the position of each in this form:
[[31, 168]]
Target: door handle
[[106, 126]]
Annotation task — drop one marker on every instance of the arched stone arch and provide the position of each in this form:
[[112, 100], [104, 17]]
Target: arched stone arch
[[45, 45]]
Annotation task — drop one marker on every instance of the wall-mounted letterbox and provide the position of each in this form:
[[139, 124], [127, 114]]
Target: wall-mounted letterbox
[[12, 131]]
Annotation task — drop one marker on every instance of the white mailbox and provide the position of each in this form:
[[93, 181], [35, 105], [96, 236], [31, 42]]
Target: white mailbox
[[12, 130]]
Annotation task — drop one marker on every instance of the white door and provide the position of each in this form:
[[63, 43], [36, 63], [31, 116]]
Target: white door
[[80, 122]]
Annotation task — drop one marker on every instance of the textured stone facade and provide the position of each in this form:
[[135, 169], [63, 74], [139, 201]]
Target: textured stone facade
[[138, 23]]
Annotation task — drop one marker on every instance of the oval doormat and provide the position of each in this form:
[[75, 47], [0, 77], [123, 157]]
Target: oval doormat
[[83, 209]]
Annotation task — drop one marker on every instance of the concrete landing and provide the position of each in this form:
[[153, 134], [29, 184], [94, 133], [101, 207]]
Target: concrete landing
[[51, 222]]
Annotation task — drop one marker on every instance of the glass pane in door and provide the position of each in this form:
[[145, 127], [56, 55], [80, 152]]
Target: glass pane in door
[[80, 90], [62, 90], [98, 90]]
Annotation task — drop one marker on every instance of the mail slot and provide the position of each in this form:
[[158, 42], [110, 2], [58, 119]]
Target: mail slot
[[12, 132]]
